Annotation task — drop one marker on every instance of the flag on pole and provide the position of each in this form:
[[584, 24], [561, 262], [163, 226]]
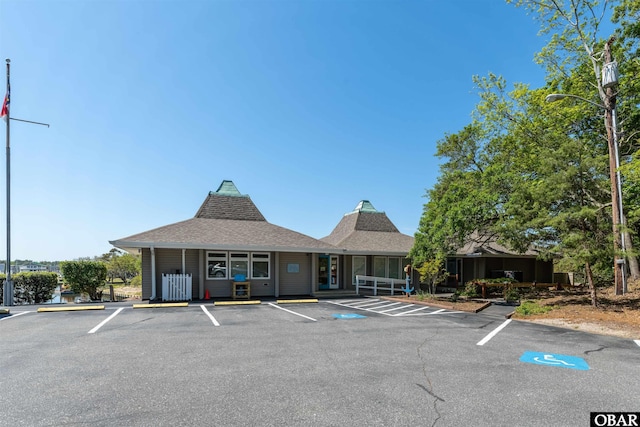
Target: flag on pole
[[5, 104]]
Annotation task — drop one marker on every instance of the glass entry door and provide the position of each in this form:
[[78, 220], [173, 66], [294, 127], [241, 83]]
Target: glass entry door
[[323, 272], [328, 272], [333, 275]]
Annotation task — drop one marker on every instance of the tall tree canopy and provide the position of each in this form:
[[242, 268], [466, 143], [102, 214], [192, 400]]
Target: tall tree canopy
[[528, 172]]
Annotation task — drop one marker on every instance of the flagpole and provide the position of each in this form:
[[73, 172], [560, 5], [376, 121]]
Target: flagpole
[[8, 283]]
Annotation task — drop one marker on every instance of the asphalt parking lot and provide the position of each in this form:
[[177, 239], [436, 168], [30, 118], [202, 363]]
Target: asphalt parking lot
[[334, 362]]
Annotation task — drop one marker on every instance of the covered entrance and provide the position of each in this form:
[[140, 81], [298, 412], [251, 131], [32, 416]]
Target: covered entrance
[[328, 272]]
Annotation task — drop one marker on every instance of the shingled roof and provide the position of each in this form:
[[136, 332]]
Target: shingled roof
[[486, 245], [368, 231], [226, 220], [227, 203]]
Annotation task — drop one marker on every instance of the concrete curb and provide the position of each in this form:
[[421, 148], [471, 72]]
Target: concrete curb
[[71, 308], [250, 302], [169, 304]]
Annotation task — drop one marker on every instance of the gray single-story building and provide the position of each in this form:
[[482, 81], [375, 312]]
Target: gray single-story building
[[229, 240]]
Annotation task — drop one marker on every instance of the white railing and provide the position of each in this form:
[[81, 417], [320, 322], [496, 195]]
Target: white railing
[[176, 287], [379, 284]]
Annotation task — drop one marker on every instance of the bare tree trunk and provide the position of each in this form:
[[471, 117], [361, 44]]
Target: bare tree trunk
[[592, 286]]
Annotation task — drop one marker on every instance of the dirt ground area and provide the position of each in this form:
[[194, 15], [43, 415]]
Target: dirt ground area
[[616, 315]]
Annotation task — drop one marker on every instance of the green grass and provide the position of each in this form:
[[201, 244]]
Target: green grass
[[528, 308]]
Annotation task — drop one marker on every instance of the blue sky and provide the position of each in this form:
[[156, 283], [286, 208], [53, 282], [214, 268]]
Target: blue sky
[[307, 106]]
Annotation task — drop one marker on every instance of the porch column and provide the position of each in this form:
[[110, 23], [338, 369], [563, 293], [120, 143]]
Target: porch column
[[314, 267], [202, 272], [276, 275], [153, 273], [183, 262]]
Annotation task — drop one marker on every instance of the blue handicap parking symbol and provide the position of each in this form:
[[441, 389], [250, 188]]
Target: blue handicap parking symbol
[[349, 316], [558, 360]]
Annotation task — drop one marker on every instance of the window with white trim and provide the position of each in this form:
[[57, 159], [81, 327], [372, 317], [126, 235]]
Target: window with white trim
[[239, 264], [359, 264], [216, 265], [260, 265]]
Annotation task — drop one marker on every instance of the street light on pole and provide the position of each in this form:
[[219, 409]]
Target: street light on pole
[[616, 188]]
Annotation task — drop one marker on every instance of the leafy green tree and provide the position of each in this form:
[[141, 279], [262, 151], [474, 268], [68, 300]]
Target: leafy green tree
[[85, 276], [433, 272], [125, 267]]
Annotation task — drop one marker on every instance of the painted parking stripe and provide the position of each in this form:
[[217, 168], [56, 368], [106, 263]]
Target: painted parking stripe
[[387, 305], [408, 313], [424, 307], [637, 342], [397, 307], [362, 301], [494, 332], [366, 305], [402, 307], [104, 322], [357, 307], [15, 315], [213, 319], [292, 312]]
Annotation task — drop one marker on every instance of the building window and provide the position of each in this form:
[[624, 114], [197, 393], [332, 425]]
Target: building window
[[380, 266], [395, 268], [216, 265], [239, 264], [223, 265], [260, 266], [359, 267]]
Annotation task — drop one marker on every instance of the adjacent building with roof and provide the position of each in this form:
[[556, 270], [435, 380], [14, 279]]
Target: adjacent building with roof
[[371, 245], [482, 257]]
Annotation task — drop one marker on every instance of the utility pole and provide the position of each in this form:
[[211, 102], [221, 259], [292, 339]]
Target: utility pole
[[609, 101]]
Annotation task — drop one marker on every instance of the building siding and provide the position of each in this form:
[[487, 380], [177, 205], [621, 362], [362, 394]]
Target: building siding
[[295, 283]]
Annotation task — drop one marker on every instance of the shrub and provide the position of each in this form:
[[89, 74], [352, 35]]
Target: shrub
[[511, 294], [527, 308], [31, 288], [470, 290], [85, 277]]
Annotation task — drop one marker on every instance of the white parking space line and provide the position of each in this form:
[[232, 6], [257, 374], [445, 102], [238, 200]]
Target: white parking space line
[[101, 324], [15, 315], [388, 305], [350, 301], [213, 319], [360, 301], [292, 312], [366, 305], [424, 307], [397, 308], [494, 332], [637, 342]]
